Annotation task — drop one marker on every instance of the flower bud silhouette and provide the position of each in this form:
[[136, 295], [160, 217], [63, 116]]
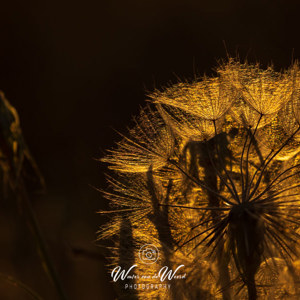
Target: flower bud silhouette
[[210, 175]]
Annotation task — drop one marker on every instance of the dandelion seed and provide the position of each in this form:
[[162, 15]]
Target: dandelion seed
[[150, 144], [208, 99]]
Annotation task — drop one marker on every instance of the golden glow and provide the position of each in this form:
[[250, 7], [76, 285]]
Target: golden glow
[[211, 176]]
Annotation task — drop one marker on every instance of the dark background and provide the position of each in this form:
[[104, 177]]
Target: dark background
[[76, 70]]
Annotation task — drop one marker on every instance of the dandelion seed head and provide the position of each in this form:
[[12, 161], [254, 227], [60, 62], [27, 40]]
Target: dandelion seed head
[[210, 174]]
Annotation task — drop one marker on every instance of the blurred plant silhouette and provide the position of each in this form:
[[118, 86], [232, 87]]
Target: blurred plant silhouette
[[210, 174], [20, 180]]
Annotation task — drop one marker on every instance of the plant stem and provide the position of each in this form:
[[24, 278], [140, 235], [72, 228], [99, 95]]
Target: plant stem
[[41, 243]]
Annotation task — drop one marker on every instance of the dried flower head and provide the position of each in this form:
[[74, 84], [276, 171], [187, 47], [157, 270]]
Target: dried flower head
[[211, 176]]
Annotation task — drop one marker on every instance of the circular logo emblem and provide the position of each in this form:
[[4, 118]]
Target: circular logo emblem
[[148, 254]]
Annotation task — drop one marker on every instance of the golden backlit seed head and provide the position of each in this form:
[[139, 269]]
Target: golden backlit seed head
[[210, 175]]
